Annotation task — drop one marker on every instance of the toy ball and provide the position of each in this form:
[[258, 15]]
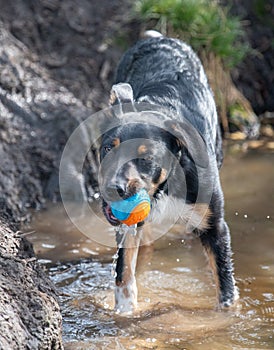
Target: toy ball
[[132, 210]]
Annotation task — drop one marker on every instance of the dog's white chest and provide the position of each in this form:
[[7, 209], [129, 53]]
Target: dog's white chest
[[171, 209]]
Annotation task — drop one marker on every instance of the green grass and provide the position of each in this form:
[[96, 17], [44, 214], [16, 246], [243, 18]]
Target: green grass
[[202, 23]]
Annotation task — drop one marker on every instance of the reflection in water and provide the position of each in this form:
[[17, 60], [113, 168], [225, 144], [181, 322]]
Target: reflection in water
[[176, 292]]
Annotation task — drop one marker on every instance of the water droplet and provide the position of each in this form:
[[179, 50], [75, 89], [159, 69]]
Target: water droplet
[[89, 251], [74, 251], [151, 340], [268, 296], [48, 246], [182, 269], [44, 261]]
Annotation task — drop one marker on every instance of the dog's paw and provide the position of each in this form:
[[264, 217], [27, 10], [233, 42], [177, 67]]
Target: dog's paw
[[231, 301], [126, 298]]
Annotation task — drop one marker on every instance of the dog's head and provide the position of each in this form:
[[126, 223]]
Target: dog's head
[[135, 156]]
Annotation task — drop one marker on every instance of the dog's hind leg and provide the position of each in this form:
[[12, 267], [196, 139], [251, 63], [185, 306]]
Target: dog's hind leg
[[126, 288], [216, 241]]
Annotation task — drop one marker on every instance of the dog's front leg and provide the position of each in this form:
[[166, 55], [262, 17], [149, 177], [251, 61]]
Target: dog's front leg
[[126, 288]]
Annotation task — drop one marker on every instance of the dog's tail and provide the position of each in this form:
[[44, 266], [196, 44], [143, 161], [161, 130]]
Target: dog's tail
[[151, 34]]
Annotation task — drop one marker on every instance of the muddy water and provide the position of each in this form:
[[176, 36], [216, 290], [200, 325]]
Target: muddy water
[[176, 292]]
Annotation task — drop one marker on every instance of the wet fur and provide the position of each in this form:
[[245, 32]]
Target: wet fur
[[167, 72]]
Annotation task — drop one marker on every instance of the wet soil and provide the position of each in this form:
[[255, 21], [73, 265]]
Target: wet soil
[[29, 313]]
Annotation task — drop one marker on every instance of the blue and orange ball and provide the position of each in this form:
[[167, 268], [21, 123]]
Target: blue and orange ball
[[132, 210]]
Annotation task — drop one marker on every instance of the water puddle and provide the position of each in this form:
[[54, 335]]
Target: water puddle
[[176, 293]]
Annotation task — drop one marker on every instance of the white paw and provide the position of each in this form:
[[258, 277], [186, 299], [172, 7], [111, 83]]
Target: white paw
[[126, 298]]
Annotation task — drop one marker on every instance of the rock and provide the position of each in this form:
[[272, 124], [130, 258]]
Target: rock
[[267, 130], [270, 146], [255, 144], [267, 118], [237, 136], [243, 119]]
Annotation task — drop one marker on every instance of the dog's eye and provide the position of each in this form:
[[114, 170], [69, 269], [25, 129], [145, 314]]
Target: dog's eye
[[148, 159], [107, 148]]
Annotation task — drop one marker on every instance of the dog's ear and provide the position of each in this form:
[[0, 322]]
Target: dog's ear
[[188, 137], [121, 98], [121, 93]]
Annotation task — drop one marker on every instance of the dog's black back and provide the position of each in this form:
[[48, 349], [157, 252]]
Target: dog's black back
[[167, 72]]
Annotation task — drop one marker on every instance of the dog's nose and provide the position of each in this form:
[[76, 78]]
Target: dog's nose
[[115, 192]]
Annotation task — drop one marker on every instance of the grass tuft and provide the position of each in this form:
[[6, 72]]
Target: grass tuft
[[204, 24]]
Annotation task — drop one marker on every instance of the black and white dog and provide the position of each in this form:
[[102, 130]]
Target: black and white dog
[[167, 73]]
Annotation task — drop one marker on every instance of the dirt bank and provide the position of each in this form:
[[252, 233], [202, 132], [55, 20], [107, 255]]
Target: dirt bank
[[46, 90], [29, 313]]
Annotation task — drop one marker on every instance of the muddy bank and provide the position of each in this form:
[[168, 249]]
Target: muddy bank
[[30, 317], [79, 45], [36, 117], [29, 313], [45, 92]]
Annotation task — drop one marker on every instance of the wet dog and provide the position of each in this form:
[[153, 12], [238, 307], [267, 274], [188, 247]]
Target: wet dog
[[176, 161]]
